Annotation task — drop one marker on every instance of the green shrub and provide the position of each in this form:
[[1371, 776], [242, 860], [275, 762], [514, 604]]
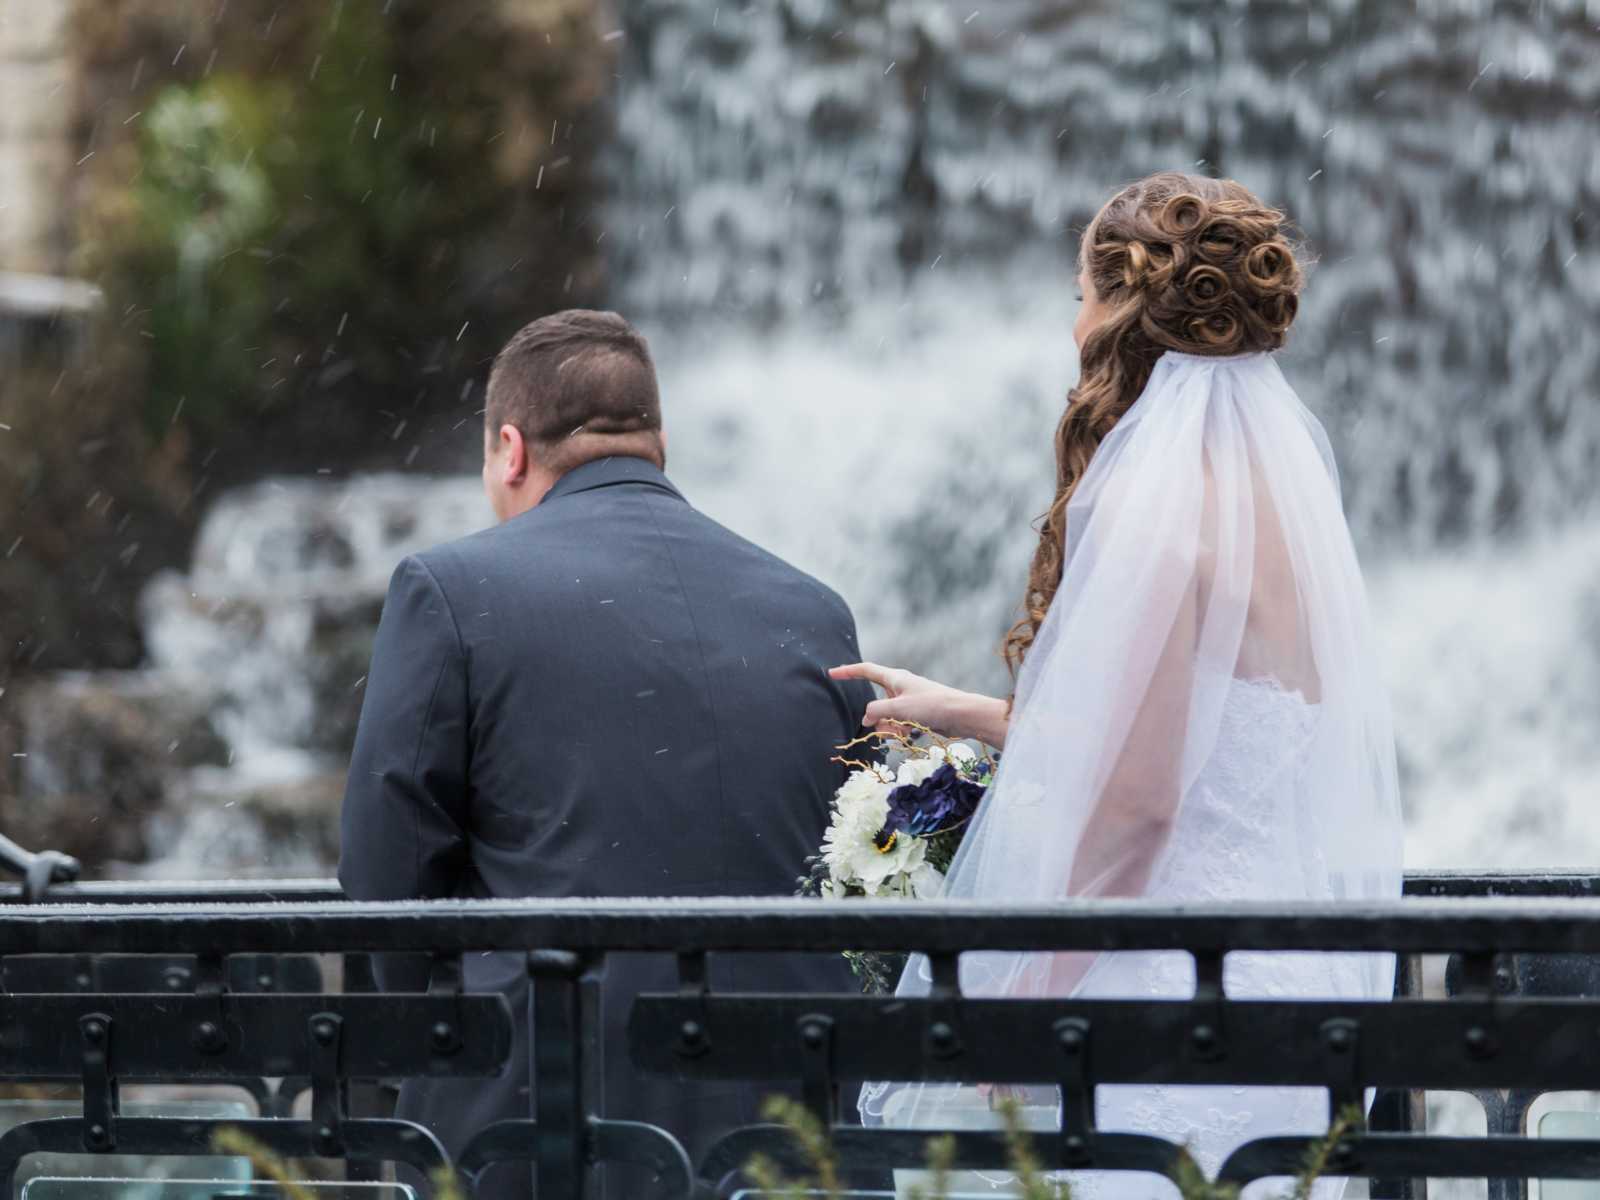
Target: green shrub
[[323, 233], [313, 225]]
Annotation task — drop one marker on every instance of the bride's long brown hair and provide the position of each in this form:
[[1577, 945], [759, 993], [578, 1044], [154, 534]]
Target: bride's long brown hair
[[1182, 262]]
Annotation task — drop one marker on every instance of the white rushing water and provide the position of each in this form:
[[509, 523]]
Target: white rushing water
[[903, 461], [1494, 664], [894, 190], [848, 230], [273, 620], [904, 468]]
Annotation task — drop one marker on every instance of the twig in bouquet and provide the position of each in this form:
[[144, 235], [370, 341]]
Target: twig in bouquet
[[856, 764], [906, 741], [874, 739], [904, 737]]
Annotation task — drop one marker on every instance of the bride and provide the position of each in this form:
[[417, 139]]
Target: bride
[[1198, 711]]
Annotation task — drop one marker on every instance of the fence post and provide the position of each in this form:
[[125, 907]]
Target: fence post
[[1401, 1110], [560, 1124]]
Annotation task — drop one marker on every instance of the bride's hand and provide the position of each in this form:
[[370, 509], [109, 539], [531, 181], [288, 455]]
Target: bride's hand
[[945, 710]]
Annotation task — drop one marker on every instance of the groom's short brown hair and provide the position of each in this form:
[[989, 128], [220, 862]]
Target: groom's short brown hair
[[578, 384]]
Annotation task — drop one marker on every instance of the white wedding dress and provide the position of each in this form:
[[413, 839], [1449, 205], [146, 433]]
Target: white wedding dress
[[1232, 842], [1201, 719]]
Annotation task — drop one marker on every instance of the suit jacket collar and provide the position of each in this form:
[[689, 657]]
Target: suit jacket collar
[[609, 472]]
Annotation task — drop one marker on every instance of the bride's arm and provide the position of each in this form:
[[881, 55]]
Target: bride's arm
[[1133, 816], [945, 710], [1132, 820]]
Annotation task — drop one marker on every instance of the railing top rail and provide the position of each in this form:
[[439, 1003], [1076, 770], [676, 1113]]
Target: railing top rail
[[1431, 882], [203, 891], [654, 924], [1481, 882], [1423, 883]]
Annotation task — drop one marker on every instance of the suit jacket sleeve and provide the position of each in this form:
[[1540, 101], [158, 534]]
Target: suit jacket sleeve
[[402, 825]]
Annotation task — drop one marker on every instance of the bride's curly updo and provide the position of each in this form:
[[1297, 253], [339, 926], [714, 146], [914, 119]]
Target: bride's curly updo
[[1181, 262]]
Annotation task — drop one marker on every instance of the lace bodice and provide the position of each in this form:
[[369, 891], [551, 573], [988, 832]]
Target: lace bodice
[[1238, 835]]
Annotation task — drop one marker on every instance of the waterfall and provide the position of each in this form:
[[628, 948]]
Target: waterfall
[[848, 228], [244, 716], [852, 226], [274, 619]]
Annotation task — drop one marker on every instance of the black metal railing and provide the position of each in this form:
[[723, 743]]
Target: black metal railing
[[225, 984]]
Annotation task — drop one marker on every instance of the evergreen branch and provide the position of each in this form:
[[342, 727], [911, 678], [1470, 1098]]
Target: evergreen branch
[[1019, 1147], [1319, 1156], [1193, 1184], [236, 1143], [812, 1136]]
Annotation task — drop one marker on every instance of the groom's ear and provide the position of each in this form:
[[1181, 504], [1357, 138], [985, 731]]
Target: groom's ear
[[513, 455]]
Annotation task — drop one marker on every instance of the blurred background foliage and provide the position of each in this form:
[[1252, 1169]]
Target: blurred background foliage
[[313, 225]]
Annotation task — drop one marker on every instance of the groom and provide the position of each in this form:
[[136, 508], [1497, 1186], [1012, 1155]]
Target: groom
[[606, 694]]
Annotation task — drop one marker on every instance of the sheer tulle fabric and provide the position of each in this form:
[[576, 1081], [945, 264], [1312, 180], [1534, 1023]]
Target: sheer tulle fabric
[[1200, 718]]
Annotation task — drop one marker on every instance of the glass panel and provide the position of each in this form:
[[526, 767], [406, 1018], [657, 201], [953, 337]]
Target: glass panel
[[56, 1188], [228, 1170], [1569, 1125]]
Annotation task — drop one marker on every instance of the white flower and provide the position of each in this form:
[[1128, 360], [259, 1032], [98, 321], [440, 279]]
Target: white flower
[[921, 882], [926, 882], [856, 849], [863, 788], [960, 755], [880, 863], [914, 770], [860, 855], [859, 810]]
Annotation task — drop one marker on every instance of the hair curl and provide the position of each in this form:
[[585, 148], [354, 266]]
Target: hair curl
[[1183, 263]]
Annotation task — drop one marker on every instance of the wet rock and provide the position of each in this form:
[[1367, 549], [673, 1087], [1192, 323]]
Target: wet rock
[[276, 616], [280, 671], [90, 757], [340, 653], [224, 829], [226, 754]]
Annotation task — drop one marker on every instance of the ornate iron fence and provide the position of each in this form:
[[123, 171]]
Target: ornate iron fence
[[224, 984]]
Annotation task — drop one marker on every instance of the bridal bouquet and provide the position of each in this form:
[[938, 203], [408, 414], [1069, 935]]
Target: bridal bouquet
[[894, 831]]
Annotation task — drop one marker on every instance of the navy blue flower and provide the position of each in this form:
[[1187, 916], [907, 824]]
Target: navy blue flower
[[944, 799]]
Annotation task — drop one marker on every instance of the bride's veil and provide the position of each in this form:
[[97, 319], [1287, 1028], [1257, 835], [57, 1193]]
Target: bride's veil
[[1206, 544]]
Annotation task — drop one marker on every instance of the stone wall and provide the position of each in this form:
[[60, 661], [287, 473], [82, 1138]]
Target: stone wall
[[37, 101]]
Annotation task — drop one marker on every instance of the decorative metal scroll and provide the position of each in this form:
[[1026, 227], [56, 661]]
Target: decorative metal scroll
[[105, 984]]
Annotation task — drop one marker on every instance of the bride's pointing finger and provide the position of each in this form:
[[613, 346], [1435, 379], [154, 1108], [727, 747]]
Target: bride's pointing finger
[[869, 671]]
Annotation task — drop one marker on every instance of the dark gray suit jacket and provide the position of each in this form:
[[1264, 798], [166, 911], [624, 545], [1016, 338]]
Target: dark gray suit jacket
[[609, 695]]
